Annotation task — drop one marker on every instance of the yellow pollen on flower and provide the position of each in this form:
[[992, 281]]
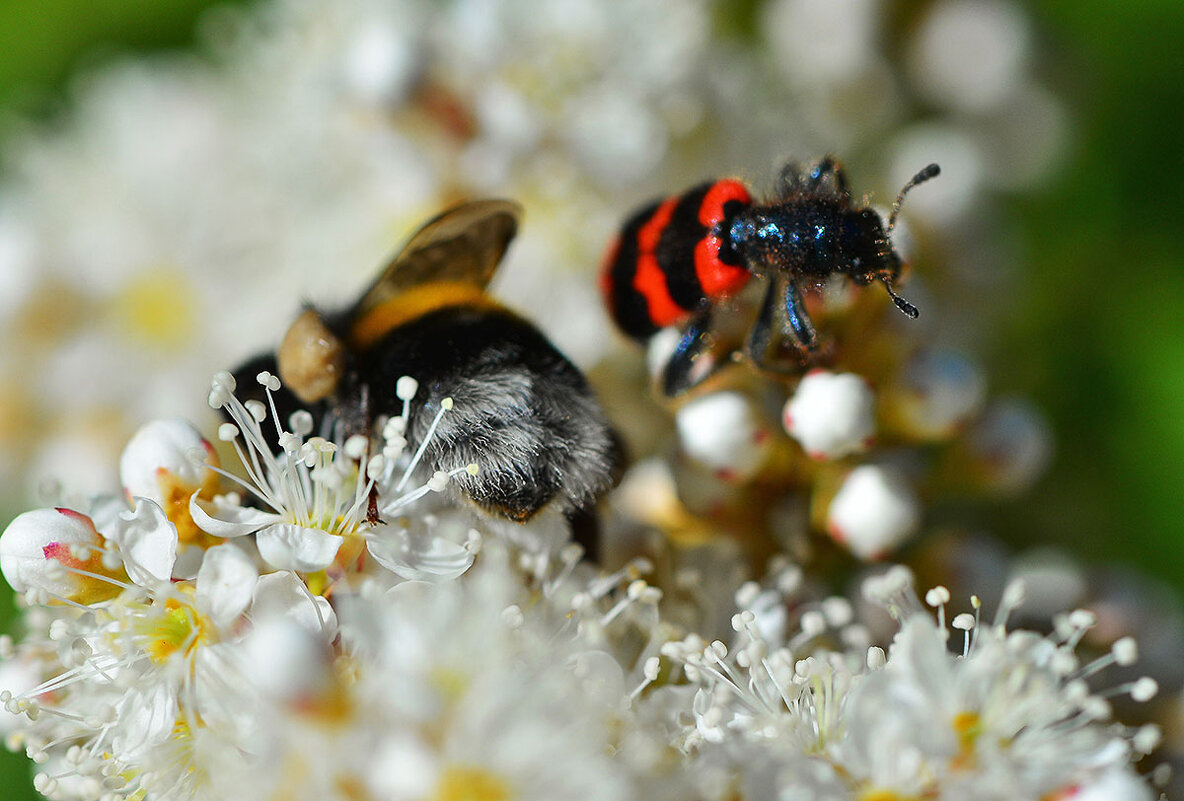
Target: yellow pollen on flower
[[450, 683], [468, 783], [155, 307], [968, 726], [318, 583], [175, 494], [885, 795], [352, 551], [179, 629]]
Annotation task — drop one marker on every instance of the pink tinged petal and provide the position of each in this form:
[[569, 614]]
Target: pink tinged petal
[[286, 546], [225, 583], [231, 520], [34, 544], [283, 594], [418, 557], [147, 541]]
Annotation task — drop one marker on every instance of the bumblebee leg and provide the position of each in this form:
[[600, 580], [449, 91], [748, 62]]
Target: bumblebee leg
[[585, 531], [685, 368]]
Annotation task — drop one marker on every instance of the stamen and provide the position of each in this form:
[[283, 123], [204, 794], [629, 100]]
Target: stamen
[[445, 405]]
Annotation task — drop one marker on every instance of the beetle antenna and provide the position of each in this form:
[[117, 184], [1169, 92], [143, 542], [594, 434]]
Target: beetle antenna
[[932, 171], [900, 302]]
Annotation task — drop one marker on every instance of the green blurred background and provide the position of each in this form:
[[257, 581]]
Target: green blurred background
[[1094, 334]]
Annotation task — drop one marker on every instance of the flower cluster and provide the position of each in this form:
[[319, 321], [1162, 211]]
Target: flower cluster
[[497, 685], [326, 632], [810, 716], [855, 449], [141, 605]]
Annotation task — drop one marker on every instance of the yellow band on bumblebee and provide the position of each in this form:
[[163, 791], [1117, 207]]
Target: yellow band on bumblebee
[[412, 304]]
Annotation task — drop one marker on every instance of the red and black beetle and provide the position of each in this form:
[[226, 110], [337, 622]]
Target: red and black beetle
[[675, 259]]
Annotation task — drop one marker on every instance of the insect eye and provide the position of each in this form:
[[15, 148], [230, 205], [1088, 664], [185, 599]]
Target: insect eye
[[311, 359]]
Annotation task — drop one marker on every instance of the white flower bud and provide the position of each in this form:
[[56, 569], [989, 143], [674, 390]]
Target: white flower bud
[[832, 415], [723, 432], [874, 511], [36, 545], [161, 448]]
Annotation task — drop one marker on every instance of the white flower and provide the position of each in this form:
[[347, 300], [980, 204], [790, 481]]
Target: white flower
[[1008, 715], [832, 415], [970, 54], [1119, 784], [321, 493], [147, 542], [453, 690], [1011, 717]]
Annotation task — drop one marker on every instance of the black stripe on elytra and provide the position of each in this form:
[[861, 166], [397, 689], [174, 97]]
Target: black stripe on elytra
[[629, 306], [676, 249]]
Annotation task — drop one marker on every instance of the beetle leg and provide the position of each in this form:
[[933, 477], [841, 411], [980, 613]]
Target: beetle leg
[[782, 299], [791, 179], [799, 321], [828, 178], [691, 361]]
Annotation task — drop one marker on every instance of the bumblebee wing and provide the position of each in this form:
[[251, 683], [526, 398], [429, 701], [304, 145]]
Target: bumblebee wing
[[463, 244]]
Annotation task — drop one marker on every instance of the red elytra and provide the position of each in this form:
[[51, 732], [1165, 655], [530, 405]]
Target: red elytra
[[718, 278], [649, 280]]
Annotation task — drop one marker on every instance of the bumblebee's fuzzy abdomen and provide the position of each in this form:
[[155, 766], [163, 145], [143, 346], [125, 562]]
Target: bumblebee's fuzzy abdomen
[[522, 412]]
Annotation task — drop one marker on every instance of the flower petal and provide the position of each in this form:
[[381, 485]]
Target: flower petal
[[232, 520], [418, 557], [148, 542], [283, 593], [286, 546], [225, 584]]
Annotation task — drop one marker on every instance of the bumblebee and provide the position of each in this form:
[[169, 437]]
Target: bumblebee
[[520, 409], [677, 259]]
